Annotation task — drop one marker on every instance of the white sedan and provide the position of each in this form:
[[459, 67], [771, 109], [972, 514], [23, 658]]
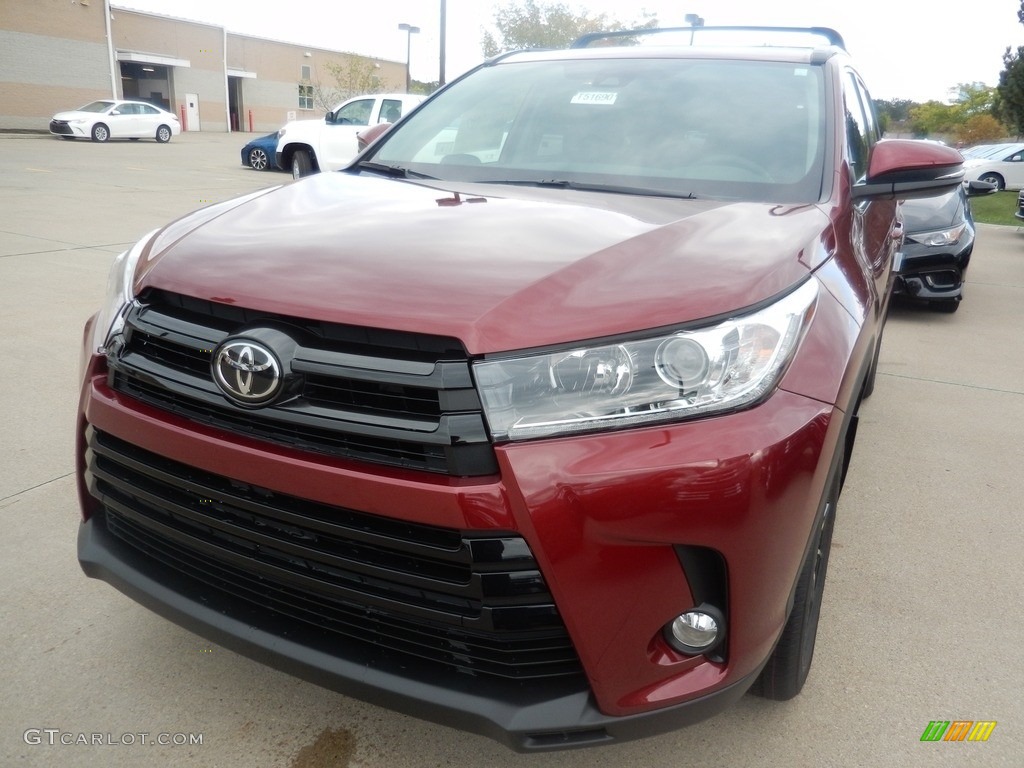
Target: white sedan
[[1001, 164], [116, 119]]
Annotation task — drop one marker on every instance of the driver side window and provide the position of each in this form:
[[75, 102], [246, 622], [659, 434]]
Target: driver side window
[[356, 113]]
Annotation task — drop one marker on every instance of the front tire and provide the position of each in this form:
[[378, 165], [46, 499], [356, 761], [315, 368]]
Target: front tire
[[301, 164], [163, 134], [786, 671], [258, 159], [100, 133], [994, 178]]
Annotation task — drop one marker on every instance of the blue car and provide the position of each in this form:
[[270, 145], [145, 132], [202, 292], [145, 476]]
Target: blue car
[[259, 153]]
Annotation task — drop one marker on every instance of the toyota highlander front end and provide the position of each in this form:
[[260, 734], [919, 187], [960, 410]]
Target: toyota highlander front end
[[502, 426]]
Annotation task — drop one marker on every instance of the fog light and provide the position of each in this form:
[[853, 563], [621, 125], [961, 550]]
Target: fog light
[[697, 631]]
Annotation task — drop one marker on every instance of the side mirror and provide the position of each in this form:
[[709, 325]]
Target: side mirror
[[903, 168], [977, 187]]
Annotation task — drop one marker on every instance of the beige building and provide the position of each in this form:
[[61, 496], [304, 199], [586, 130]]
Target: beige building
[[57, 55]]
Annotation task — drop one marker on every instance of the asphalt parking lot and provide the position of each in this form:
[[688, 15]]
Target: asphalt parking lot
[[923, 613]]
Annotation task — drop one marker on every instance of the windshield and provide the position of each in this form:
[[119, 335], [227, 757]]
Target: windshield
[[710, 128], [979, 151], [992, 151], [96, 106]]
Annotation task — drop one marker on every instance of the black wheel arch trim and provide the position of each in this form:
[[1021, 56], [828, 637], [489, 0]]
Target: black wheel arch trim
[[840, 464], [284, 157]]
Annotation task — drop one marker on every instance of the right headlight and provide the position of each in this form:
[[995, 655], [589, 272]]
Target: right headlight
[[119, 294], [939, 237], [662, 378]]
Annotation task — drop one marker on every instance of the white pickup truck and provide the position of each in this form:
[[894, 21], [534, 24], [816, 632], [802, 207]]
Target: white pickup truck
[[309, 146]]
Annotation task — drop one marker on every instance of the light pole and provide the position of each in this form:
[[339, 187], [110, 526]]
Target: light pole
[[409, 32], [444, 25]]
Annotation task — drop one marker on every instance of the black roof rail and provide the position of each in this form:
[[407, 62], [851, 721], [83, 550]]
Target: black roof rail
[[829, 35]]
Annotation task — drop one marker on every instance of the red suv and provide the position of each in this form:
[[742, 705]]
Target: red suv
[[533, 420]]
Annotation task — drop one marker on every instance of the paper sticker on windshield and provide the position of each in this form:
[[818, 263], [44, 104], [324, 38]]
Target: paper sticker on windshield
[[605, 98]]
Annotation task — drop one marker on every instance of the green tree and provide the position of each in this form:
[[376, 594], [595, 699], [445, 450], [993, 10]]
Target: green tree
[[897, 110], [354, 76], [1010, 91], [975, 114], [422, 88], [530, 24], [970, 118], [1009, 102], [932, 117], [892, 113], [974, 99]]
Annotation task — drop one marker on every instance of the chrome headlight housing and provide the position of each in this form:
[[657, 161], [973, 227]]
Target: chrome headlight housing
[[939, 237], [667, 377], [120, 294]]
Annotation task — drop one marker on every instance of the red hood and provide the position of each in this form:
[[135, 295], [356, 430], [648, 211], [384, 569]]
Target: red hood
[[518, 268]]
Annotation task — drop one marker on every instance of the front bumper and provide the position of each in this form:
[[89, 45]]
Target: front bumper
[[933, 274], [64, 128], [516, 717], [604, 516]]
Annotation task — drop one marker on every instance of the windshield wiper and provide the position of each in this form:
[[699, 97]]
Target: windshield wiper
[[588, 187], [392, 171]]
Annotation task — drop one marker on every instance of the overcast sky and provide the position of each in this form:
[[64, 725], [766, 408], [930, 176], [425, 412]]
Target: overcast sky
[[908, 49]]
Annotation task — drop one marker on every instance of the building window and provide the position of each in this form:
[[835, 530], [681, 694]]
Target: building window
[[307, 73], [305, 96]]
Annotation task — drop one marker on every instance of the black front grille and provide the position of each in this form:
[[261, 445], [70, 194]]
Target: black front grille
[[467, 602], [60, 126], [404, 400]]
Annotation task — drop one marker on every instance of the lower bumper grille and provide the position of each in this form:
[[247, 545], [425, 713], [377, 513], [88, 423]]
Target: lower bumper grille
[[61, 127], [453, 600]]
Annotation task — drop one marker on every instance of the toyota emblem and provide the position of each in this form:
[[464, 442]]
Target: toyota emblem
[[247, 372]]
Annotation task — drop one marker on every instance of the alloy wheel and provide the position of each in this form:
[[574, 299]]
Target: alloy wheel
[[258, 159]]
